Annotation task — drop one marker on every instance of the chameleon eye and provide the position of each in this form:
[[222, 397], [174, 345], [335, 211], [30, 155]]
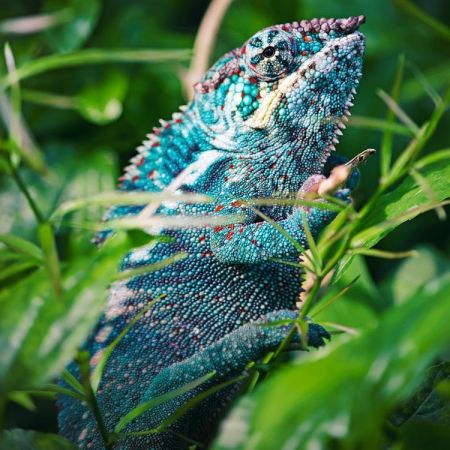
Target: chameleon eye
[[269, 54]]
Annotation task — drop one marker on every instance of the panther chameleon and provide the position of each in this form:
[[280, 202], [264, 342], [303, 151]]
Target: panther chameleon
[[264, 122]]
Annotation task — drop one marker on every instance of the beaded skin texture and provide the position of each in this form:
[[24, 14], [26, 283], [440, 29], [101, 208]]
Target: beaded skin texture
[[263, 123]]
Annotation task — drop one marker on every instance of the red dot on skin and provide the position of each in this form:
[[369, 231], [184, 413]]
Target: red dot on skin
[[219, 208], [218, 229], [236, 203], [230, 235]]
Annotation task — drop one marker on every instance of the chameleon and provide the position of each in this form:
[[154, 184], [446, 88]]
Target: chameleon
[[263, 122]]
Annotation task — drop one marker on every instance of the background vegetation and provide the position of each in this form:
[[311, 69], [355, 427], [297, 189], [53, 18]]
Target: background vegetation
[[82, 82]]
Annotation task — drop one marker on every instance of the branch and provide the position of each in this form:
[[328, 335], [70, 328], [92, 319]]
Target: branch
[[204, 44]]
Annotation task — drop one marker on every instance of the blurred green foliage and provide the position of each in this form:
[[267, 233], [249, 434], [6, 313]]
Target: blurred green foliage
[[116, 68]]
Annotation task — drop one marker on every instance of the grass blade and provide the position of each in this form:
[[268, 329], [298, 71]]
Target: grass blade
[[388, 135], [371, 123], [398, 111], [48, 243], [144, 407], [149, 268], [375, 253], [72, 381], [439, 27], [186, 407], [97, 56], [316, 258], [100, 367], [279, 228], [22, 246], [126, 198], [335, 298]]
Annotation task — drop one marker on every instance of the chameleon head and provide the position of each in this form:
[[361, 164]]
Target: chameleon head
[[288, 87]]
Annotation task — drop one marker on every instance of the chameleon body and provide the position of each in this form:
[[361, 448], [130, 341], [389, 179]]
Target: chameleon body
[[263, 123]]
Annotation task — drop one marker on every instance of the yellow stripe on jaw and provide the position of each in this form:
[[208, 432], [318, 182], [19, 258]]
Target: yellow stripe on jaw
[[263, 114]]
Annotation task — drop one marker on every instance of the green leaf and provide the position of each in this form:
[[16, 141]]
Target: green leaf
[[38, 335], [72, 381], [32, 440], [22, 246], [345, 393], [15, 271], [403, 203], [51, 390], [48, 243], [81, 18], [414, 273], [23, 399], [102, 102], [407, 201]]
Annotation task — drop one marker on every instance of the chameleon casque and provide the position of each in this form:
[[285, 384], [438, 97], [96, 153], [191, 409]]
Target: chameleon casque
[[263, 123]]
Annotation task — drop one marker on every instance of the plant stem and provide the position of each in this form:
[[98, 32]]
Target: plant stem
[[23, 187], [83, 362], [48, 244]]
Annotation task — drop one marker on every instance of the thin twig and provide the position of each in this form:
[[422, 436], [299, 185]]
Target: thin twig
[[204, 43], [83, 362]]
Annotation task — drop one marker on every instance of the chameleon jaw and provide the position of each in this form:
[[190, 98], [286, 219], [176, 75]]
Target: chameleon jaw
[[298, 79]]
